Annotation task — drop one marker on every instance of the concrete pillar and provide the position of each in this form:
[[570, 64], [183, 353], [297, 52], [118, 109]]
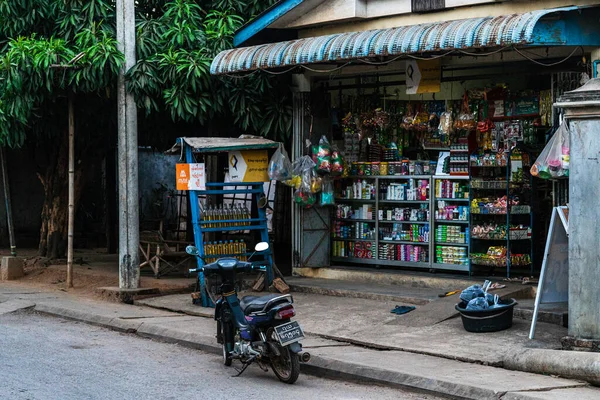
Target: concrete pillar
[[127, 147], [11, 268], [582, 111]]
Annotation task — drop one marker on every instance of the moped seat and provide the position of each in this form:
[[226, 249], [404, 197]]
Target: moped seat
[[250, 304]]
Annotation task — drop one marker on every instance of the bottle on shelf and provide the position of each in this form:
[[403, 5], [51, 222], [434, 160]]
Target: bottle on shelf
[[244, 257]]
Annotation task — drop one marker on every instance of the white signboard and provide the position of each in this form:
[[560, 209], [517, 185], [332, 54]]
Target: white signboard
[[554, 279]]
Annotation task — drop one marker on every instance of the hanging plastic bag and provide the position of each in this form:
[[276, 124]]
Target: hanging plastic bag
[[553, 162], [446, 123], [280, 167], [322, 156], [304, 168], [304, 199], [337, 162], [327, 193]]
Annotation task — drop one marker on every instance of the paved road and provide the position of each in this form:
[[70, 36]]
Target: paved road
[[48, 358]]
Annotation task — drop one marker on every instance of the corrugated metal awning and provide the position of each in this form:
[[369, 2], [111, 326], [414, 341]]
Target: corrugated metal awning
[[487, 32], [223, 144]]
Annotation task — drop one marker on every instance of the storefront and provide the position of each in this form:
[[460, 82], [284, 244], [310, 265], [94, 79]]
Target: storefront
[[439, 125]]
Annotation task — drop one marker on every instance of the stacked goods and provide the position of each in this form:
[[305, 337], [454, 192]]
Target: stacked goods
[[212, 216], [357, 249], [225, 249], [451, 234], [415, 233], [404, 214], [447, 189], [451, 212], [412, 190], [496, 256], [355, 230], [451, 255], [403, 252]]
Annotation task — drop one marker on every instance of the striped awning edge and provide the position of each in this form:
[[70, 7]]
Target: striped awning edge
[[442, 36]]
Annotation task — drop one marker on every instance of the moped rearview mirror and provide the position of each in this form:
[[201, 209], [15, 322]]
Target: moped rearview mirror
[[261, 246], [262, 202], [192, 251]]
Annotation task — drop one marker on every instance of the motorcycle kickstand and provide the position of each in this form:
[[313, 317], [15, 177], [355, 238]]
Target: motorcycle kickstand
[[246, 364]]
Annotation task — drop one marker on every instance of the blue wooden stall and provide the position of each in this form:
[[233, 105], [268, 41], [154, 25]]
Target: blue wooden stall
[[193, 148]]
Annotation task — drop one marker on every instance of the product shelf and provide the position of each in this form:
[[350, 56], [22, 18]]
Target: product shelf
[[382, 205]]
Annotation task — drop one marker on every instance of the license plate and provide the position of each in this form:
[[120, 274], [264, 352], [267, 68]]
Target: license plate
[[289, 333]]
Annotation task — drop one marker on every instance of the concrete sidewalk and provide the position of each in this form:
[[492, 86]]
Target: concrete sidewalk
[[330, 357]]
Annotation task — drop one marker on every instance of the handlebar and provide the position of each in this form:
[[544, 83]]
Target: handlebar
[[253, 267]]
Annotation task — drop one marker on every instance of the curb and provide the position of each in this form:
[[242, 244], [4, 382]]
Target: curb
[[358, 295], [319, 366], [569, 364]]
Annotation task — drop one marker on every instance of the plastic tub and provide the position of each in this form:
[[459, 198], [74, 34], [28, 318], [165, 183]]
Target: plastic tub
[[492, 320]]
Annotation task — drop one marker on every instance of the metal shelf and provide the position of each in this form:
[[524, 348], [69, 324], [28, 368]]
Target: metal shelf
[[453, 267], [450, 221], [403, 242], [445, 199], [501, 239], [451, 244], [451, 177], [405, 201], [353, 240], [355, 200], [403, 177], [383, 221], [354, 220]]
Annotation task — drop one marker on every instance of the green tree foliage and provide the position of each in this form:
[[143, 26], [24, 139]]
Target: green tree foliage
[[54, 49], [176, 41]]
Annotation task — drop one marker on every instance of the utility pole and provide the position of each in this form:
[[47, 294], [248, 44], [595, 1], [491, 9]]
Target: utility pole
[[71, 216], [127, 148], [11, 228]]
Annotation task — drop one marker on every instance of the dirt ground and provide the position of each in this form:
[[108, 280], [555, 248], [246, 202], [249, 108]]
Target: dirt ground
[[92, 269]]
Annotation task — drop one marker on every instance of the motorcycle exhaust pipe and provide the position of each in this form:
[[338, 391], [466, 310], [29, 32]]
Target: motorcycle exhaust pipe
[[304, 357]]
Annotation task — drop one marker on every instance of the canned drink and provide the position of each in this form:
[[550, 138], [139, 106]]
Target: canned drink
[[383, 168]]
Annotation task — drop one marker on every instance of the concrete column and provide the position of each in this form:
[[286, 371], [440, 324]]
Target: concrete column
[[582, 111], [127, 147]]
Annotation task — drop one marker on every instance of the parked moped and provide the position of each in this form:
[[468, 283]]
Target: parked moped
[[255, 329]]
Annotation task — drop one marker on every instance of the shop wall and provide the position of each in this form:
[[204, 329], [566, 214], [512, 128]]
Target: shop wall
[[156, 180], [27, 196], [477, 9]]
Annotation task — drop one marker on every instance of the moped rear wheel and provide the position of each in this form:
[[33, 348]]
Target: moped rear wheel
[[286, 365]]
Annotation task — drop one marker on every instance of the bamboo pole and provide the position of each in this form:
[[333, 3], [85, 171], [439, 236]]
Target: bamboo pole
[[71, 217], [11, 227]]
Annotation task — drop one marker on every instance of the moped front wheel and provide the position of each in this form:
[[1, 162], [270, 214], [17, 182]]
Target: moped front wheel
[[285, 364]]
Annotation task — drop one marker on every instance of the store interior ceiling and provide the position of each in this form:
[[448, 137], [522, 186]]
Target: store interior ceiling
[[459, 73]]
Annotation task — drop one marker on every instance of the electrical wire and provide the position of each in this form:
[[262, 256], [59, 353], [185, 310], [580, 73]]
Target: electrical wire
[[551, 64], [483, 54]]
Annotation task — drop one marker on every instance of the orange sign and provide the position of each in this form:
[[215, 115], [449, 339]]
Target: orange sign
[[191, 177]]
